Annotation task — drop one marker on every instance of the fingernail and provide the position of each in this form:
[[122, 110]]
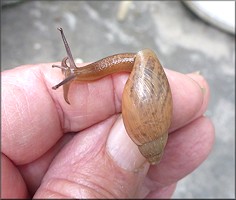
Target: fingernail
[[123, 151], [195, 77], [196, 72]]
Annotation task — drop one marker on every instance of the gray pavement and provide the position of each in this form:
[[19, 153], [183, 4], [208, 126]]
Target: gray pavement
[[183, 41]]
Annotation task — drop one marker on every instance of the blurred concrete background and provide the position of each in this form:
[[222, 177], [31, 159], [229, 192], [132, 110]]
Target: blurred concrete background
[[182, 41]]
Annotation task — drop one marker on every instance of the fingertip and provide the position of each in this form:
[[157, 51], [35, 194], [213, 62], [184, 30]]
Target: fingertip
[[190, 95], [29, 112], [201, 82]]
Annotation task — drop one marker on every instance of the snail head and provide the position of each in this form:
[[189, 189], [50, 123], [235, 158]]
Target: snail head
[[68, 71]]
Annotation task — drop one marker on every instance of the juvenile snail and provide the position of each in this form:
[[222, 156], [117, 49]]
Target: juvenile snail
[[146, 100]]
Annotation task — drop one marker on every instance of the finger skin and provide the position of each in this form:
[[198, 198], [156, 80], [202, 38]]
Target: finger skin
[[83, 169], [102, 179], [30, 121]]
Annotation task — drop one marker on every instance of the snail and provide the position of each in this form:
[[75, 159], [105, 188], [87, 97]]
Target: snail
[[146, 99]]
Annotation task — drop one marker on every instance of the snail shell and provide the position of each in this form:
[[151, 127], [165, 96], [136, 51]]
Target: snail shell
[[147, 106]]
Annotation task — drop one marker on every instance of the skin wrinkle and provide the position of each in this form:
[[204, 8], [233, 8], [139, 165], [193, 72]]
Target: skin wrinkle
[[170, 188], [53, 192], [59, 109], [78, 186], [114, 93], [117, 101], [89, 91], [7, 120], [96, 193], [68, 121], [38, 74], [151, 183], [18, 113], [93, 187], [61, 114], [17, 100], [27, 105], [80, 177], [57, 104], [28, 111], [140, 190]]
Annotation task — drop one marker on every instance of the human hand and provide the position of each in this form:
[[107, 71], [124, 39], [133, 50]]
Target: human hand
[[42, 158]]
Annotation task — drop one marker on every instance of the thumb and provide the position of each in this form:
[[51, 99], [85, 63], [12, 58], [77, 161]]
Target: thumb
[[101, 162]]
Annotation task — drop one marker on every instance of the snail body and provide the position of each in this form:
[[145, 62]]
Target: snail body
[[146, 99]]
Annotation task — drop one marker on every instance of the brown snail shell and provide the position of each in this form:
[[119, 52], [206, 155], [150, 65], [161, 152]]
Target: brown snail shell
[[147, 106]]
